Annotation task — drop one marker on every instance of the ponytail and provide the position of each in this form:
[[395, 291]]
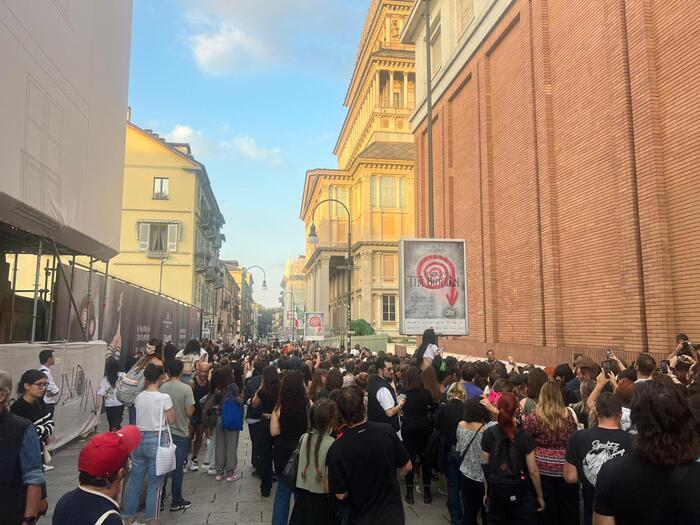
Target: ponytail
[[507, 405]]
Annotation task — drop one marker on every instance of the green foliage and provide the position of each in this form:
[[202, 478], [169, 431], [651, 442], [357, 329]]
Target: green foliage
[[361, 327]]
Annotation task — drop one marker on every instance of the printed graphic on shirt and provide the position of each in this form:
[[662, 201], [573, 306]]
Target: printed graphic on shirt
[[601, 451]]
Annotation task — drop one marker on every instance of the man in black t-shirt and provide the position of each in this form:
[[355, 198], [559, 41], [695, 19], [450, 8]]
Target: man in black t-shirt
[[362, 465], [589, 449], [657, 482]]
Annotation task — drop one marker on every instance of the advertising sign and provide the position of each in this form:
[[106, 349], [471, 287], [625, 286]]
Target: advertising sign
[[433, 286], [313, 326], [129, 318]]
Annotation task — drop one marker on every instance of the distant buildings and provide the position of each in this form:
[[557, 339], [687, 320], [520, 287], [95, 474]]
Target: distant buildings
[[293, 294], [374, 179]]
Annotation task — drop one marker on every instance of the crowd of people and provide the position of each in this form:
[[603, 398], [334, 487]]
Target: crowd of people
[[346, 436]]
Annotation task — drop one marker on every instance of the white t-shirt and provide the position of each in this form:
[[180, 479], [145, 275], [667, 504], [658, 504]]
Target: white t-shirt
[[109, 392], [387, 402], [150, 410], [431, 351], [190, 360]]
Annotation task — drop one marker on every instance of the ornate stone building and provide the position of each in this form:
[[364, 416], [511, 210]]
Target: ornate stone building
[[374, 179]]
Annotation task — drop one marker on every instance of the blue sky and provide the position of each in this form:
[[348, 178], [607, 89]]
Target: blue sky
[[256, 87]]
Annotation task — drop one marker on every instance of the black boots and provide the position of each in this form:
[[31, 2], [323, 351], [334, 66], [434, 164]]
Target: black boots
[[427, 497], [409, 494]]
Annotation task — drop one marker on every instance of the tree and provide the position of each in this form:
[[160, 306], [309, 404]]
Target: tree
[[361, 327]]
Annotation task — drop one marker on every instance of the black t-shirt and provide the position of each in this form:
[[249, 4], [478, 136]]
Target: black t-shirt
[[84, 507], [588, 451], [269, 401], [448, 418], [363, 462], [629, 488], [524, 444]]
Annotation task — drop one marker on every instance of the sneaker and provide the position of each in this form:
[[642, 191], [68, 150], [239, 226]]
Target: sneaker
[[442, 491], [267, 495], [211, 471], [185, 470], [419, 489], [232, 477], [48, 467], [182, 505], [219, 477], [193, 465]]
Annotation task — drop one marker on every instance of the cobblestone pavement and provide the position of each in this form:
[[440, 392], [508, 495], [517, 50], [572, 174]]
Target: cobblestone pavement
[[235, 503]]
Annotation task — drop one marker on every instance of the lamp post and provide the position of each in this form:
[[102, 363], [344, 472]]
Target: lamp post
[[294, 314], [160, 284], [263, 288], [313, 239]]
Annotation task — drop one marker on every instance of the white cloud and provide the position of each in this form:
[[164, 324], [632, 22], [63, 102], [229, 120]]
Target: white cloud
[[228, 36], [199, 144], [218, 52], [248, 147]]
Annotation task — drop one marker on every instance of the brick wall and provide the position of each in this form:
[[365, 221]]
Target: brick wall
[[565, 154]]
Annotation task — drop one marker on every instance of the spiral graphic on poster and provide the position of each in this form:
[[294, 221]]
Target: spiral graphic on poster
[[436, 271], [315, 322]]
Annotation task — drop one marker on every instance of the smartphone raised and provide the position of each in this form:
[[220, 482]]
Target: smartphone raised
[[609, 354]]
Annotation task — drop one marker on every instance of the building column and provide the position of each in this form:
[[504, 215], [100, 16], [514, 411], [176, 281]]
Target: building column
[[378, 91], [405, 89], [366, 283], [324, 287], [391, 89]]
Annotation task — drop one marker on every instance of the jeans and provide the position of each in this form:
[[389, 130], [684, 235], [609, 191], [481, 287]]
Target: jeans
[[265, 451], [255, 445], [209, 457], [280, 508], [143, 468], [176, 475], [561, 501], [453, 476]]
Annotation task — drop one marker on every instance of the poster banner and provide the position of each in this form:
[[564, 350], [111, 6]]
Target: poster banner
[[132, 315], [77, 372], [433, 286], [313, 326]]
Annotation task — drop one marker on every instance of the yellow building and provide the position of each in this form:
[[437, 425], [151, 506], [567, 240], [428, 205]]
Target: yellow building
[[293, 296], [374, 179], [246, 310], [170, 229]]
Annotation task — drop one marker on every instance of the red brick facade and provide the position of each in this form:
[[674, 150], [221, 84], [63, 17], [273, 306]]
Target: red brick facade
[[566, 153]]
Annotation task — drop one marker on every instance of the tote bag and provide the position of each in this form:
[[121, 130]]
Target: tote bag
[[231, 415], [165, 456]]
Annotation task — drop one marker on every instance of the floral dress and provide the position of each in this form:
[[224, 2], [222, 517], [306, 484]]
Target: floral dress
[[551, 446]]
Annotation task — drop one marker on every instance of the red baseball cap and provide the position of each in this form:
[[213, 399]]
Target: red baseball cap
[[106, 453]]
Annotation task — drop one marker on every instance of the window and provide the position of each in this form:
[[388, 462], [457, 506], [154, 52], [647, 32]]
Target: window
[[388, 308], [158, 238], [340, 193], [390, 266], [160, 188], [387, 192], [374, 191], [397, 100], [402, 193], [436, 50], [465, 14]]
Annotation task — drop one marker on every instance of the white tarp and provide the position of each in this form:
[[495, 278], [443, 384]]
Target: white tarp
[[65, 76], [78, 372]]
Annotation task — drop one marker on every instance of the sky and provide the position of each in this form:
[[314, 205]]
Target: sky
[[257, 88]]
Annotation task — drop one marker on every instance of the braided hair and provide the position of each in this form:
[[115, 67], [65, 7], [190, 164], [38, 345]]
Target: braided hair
[[323, 417]]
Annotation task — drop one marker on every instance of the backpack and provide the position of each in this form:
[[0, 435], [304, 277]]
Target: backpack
[[188, 364], [130, 385], [507, 483]]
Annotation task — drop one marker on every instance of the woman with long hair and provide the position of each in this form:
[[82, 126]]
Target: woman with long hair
[[536, 378], [334, 380], [416, 428], [222, 388], [190, 356], [427, 350], [266, 399], [318, 383], [313, 504], [30, 404], [551, 426], [509, 455], [154, 410], [290, 420], [431, 384], [469, 433], [108, 392]]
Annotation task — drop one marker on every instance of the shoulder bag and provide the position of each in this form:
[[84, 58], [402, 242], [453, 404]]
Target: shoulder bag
[[289, 473], [464, 454], [165, 455]]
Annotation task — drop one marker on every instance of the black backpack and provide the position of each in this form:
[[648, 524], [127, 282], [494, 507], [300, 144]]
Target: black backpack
[[507, 483], [437, 362]]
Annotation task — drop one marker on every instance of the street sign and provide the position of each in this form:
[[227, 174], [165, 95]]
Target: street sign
[[290, 315]]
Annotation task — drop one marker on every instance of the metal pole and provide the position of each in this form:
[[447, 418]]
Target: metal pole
[[349, 265], [14, 286], [429, 109], [104, 303], [35, 315], [89, 298], [53, 294], [160, 285], [70, 288]]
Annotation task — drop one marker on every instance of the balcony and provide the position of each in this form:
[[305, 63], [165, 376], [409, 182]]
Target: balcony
[[200, 262], [205, 220], [210, 274]]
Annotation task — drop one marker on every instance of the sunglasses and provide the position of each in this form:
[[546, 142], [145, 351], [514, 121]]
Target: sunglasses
[[41, 384]]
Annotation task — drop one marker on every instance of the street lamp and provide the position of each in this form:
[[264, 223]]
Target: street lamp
[[162, 262], [313, 239], [264, 284], [294, 314]]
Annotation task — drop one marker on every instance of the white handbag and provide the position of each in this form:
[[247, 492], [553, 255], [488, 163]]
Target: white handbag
[[165, 456]]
